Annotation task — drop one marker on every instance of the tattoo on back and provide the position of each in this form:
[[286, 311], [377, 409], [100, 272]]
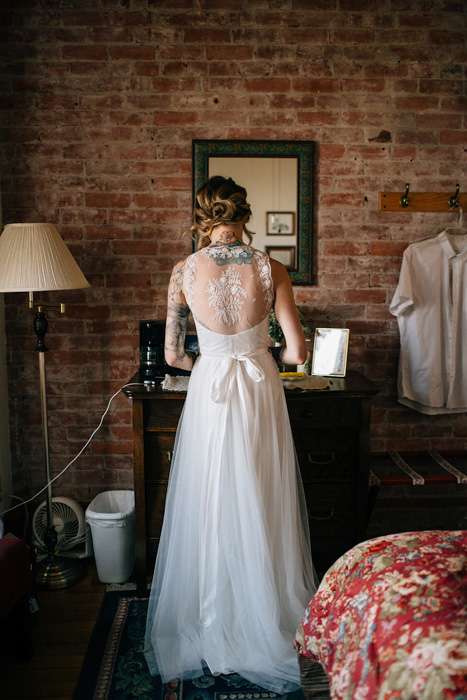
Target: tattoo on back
[[230, 254]]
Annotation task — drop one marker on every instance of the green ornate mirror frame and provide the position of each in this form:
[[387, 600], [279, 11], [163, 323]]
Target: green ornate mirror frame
[[296, 152]]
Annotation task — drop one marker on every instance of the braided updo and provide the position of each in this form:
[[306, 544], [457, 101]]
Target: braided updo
[[219, 201]]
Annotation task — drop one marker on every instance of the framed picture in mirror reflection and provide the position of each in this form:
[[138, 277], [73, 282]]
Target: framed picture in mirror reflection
[[284, 254], [280, 223], [330, 350]]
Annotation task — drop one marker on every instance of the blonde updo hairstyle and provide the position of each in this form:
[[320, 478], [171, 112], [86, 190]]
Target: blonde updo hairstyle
[[219, 201]]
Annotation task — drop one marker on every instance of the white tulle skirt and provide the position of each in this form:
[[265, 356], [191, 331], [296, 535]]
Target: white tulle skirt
[[233, 574]]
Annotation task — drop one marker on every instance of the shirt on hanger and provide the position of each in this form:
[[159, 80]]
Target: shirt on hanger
[[430, 303]]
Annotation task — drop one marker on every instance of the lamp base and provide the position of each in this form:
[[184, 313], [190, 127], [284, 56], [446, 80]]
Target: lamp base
[[58, 572]]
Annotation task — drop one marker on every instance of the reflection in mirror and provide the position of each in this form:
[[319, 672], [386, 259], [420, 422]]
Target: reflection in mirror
[[271, 184], [278, 178], [330, 352]]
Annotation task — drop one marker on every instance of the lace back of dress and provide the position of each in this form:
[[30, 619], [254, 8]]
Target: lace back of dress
[[229, 289]]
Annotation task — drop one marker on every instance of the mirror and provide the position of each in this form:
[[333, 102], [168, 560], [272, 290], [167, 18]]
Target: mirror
[[278, 177], [330, 352]]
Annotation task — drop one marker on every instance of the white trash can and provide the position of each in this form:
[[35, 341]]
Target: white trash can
[[111, 515]]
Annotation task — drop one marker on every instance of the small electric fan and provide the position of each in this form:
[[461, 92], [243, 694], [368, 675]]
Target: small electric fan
[[74, 534]]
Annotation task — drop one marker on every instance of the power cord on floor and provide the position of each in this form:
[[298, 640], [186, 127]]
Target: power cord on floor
[[75, 458]]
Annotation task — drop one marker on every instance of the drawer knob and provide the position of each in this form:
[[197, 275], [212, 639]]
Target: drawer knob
[[321, 457], [170, 455], [321, 513]]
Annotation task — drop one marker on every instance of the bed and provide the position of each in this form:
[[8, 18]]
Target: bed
[[389, 620]]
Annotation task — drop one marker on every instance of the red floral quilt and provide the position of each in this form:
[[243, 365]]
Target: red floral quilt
[[389, 619]]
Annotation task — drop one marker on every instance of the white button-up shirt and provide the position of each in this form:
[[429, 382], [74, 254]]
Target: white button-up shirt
[[430, 303]]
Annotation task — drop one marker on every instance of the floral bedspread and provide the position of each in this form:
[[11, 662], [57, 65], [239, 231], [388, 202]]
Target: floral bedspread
[[389, 619]]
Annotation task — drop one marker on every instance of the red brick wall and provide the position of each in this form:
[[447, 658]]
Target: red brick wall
[[100, 102]]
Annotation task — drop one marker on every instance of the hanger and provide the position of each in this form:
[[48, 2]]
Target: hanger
[[458, 229]]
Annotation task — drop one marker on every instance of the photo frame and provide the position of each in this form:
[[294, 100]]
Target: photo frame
[[280, 223], [330, 350], [284, 254]]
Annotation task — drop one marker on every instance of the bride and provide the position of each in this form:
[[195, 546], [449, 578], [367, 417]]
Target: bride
[[233, 573]]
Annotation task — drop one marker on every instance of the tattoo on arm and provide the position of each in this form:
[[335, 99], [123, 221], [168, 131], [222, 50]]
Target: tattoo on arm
[[177, 315], [177, 319], [176, 281]]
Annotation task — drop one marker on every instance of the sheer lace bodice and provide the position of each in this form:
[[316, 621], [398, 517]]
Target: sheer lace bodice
[[228, 289]]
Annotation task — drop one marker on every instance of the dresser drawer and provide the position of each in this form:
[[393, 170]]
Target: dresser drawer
[[163, 414], [331, 509], [317, 412], [327, 455], [158, 449]]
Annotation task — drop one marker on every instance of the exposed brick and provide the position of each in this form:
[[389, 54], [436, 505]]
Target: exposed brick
[[441, 87], [352, 36], [229, 53], [416, 103], [345, 248], [370, 85], [342, 200], [316, 85], [387, 248], [107, 200], [305, 36], [331, 151], [132, 53], [207, 36], [85, 53], [443, 38], [174, 85], [99, 108], [134, 248], [175, 118], [317, 118], [359, 5], [453, 138], [128, 280], [268, 85], [380, 70]]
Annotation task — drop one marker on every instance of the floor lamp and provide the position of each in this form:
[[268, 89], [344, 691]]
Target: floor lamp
[[34, 258]]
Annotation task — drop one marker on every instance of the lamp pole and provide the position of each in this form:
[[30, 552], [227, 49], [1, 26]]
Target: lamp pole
[[53, 572]]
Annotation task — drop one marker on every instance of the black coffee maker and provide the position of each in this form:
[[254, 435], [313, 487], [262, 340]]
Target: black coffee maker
[[152, 364]]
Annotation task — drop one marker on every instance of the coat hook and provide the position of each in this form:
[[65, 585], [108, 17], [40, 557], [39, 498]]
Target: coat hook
[[454, 200], [405, 201]]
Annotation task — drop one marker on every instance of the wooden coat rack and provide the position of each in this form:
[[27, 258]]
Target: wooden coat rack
[[422, 201]]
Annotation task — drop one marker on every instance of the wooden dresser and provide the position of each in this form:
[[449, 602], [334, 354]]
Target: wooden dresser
[[331, 429]]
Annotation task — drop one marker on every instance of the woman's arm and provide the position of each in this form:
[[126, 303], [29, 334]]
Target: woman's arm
[[285, 309], [177, 319]]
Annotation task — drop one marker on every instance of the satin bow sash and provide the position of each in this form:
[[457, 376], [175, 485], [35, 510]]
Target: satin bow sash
[[220, 386]]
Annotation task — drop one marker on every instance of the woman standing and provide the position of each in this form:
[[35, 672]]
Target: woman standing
[[233, 572]]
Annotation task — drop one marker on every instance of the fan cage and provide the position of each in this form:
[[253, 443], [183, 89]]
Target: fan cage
[[68, 519]]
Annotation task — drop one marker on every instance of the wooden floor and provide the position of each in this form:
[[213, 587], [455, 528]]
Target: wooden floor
[[61, 631]]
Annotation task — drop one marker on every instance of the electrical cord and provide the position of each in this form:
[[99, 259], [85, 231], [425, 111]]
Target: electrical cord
[[75, 458]]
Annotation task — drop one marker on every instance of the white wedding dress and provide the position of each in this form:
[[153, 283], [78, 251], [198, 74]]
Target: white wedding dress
[[233, 574]]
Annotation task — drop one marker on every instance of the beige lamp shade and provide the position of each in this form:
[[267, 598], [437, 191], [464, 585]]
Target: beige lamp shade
[[34, 257]]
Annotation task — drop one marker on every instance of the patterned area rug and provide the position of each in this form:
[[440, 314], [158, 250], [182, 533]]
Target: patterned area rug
[[115, 668]]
